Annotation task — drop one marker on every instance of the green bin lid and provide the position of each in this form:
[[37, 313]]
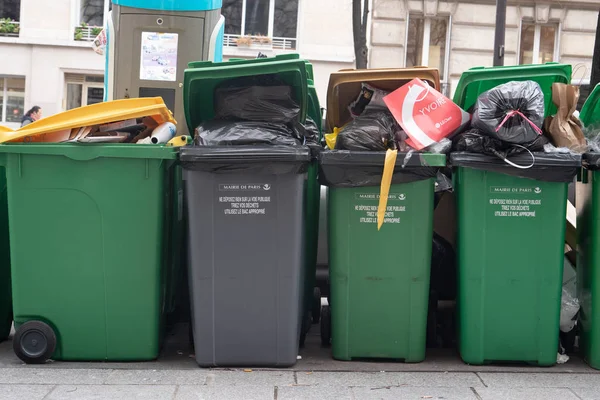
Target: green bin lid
[[200, 84], [477, 80], [281, 57], [590, 112], [237, 61]]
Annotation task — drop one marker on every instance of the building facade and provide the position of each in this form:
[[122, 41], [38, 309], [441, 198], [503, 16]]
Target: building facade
[[49, 60], [456, 36]]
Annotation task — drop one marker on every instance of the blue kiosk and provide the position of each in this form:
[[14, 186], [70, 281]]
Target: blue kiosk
[[151, 42]]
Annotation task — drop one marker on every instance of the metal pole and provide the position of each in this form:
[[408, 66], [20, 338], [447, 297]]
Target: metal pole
[[500, 32]]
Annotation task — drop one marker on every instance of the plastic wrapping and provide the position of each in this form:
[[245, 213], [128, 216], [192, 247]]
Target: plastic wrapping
[[369, 97], [269, 160], [443, 268], [475, 141], [546, 167], [512, 112], [372, 131], [256, 103], [442, 183], [340, 168], [444, 146], [569, 307], [223, 133]]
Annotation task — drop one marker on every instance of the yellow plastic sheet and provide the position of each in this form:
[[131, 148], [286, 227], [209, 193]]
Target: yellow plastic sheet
[[386, 181], [331, 138], [95, 114]]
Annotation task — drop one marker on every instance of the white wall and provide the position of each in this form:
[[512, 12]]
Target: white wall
[[472, 32]]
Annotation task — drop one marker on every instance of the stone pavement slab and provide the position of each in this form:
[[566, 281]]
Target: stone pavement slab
[[526, 394], [319, 392], [587, 393], [414, 393], [52, 376], [225, 393], [115, 392], [383, 379], [24, 392], [538, 380]]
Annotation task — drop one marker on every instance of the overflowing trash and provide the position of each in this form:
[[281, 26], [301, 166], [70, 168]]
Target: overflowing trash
[[256, 111], [136, 121], [512, 112]]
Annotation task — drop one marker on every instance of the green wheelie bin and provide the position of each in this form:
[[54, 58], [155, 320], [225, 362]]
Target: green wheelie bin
[[5, 289], [588, 241], [87, 247], [511, 236], [379, 280]]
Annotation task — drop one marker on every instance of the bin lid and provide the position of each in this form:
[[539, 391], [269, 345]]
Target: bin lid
[[345, 85], [245, 61], [281, 57], [95, 114], [245, 154], [91, 151], [591, 161], [590, 112], [477, 80], [201, 82], [551, 167], [377, 158]]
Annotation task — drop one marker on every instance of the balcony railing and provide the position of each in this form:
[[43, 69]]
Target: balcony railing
[[86, 33], [9, 28], [259, 42]]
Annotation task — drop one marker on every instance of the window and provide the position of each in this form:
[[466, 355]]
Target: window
[[92, 16], [274, 19], [538, 43], [10, 13], [82, 90], [427, 43], [10, 9], [12, 99]]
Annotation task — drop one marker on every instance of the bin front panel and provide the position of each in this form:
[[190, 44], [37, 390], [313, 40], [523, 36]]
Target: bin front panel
[[246, 240], [511, 234], [380, 279], [5, 291], [86, 244], [588, 253]]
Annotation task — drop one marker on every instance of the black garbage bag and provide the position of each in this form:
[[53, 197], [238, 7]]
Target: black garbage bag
[[474, 141], [443, 268], [227, 133], [374, 130], [512, 112], [256, 103]]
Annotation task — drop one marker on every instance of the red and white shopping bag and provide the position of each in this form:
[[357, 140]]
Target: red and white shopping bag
[[426, 115]]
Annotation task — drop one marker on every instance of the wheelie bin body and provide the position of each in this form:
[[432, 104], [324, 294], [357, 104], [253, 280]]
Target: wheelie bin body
[[5, 286], [87, 242], [511, 236], [588, 241], [379, 280], [256, 319]]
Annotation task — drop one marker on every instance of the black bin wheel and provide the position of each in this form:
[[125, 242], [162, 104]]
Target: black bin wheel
[[325, 326], [34, 342]]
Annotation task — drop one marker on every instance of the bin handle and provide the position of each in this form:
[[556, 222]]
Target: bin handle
[[512, 164]]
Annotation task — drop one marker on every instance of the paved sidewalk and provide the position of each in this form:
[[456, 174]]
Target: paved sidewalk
[[316, 376]]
